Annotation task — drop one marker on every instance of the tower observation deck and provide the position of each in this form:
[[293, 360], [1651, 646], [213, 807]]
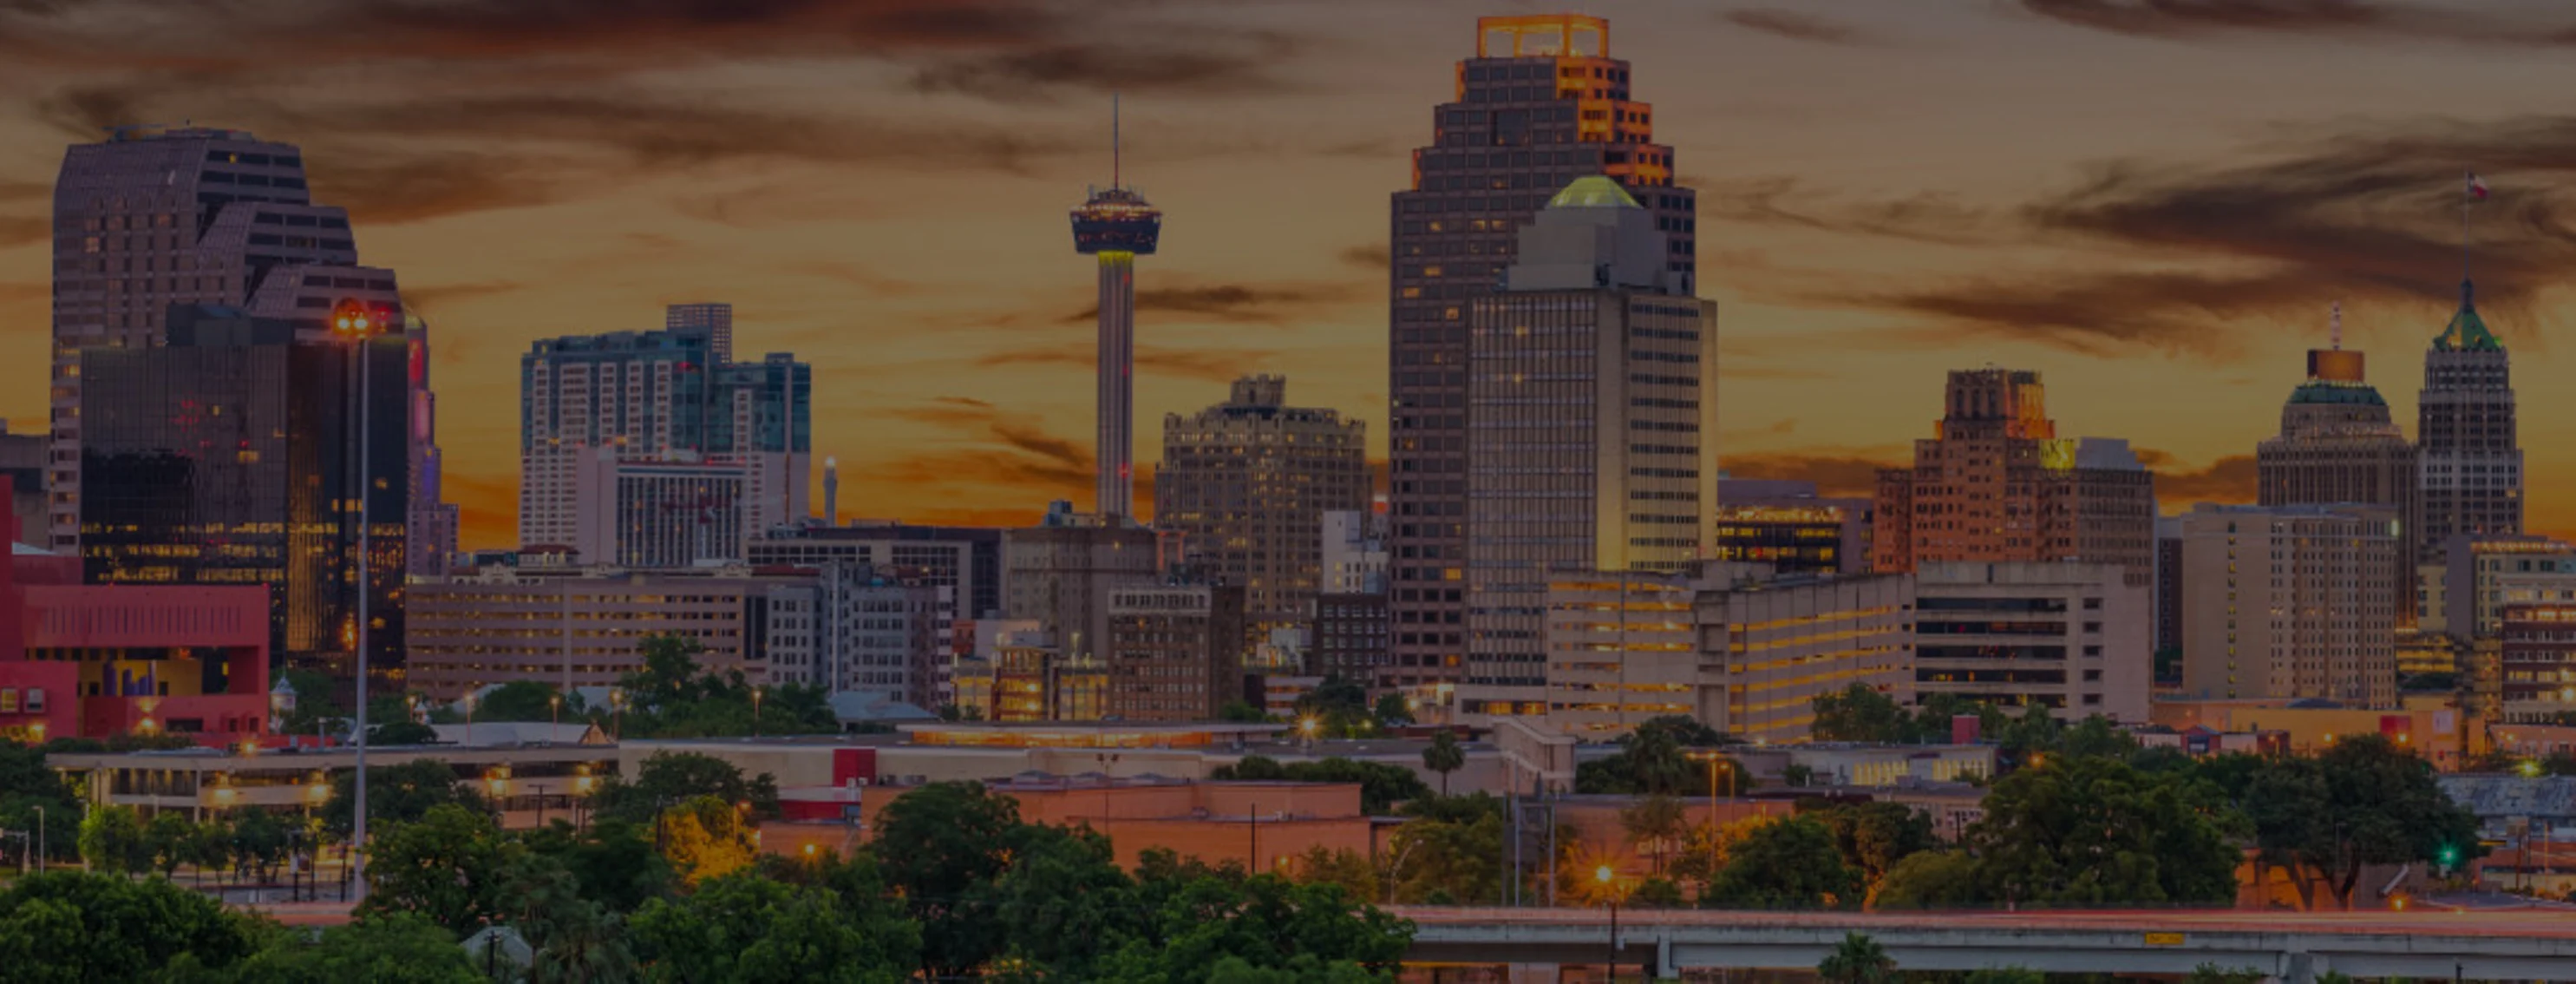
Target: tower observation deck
[[1117, 225]]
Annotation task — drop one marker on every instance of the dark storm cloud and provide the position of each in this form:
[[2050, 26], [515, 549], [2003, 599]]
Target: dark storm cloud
[[1214, 65], [20, 230], [1372, 257], [1782, 201], [2355, 18], [1241, 304], [2105, 313], [2231, 479], [1793, 25], [1003, 447]]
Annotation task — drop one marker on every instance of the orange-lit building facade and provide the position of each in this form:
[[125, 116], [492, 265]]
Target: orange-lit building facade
[[1996, 483], [2537, 661], [88, 661], [1264, 826], [1540, 105]]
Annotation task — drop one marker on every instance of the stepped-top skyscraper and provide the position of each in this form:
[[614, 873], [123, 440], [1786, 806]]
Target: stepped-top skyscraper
[[1541, 104], [2339, 445], [2472, 461], [155, 217], [1117, 225]]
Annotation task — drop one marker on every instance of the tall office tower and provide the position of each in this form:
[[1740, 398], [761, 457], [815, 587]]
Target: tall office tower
[[1592, 404], [1788, 526], [658, 396], [1060, 573], [2290, 602], [430, 530], [2472, 460], [225, 455], [2069, 637], [2169, 581], [1117, 225], [1174, 651], [1996, 483], [22, 461], [154, 217], [1540, 105], [1248, 482], [2338, 444], [967, 559], [714, 319]]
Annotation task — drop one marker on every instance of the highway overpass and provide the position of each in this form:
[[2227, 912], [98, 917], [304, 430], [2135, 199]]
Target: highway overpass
[[2292, 947]]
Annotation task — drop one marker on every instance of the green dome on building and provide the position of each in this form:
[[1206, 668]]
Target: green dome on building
[[1593, 192]]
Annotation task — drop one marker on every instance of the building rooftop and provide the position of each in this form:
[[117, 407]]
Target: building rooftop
[[2327, 391], [1593, 191], [2467, 332]]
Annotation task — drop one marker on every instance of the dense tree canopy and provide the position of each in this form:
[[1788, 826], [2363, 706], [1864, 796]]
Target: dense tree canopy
[[398, 792], [1381, 786], [668, 778], [2092, 831], [77, 927], [1786, 864], [2364, 801]]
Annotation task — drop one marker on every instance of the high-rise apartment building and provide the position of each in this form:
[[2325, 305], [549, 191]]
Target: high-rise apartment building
[[1996, 484], [2465, 432], [2291, 602], [1541, 104], [155, 217], [1592, 411], [715, 320], [2338, 444], [228, 454], [2069, 637], [658, 396], [1787, 525], [1734, 646], [1174, 651], [1247, 482], [1060, 573]]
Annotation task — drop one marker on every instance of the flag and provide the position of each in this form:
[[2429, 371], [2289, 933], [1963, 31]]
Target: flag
[[2477, 188]]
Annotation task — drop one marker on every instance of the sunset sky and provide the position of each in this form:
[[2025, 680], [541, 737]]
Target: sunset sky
[[2152, 201]]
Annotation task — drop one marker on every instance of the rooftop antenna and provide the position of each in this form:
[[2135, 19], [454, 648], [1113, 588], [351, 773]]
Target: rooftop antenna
[[2336, 320], [1113, 141]]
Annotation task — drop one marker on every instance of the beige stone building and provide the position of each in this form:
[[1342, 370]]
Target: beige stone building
[[2338, 444], [1246, 484], [1740, 651], [1996, 483], [2075, 638], [585, 627], [2291, 602]]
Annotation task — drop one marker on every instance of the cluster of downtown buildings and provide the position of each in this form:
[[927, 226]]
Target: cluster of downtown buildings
[[1555, 544]]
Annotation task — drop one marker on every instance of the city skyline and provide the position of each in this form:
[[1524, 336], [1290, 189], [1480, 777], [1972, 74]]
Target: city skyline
[[1888, 191]]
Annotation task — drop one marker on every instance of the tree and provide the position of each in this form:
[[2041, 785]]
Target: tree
[[705, 837], [526, 700], [398, 793], [612, 861], [257, 842], [1785, 864], [169, 840], [1066, 902], [1448, 851], [2018, 975], [2362, 802], [1339, 705], [1654, 758], [2210, 973], [1381, 786], [70, 927], [2091, 831], [1347, 868], [1654, 825], [2098, 737], [1391, 711], [449, 867], [740, 929], [1857, 960], [1263, 920], [1931, 880], [112, 840], [1238, 712], [1874, 836], [399, 731], [670, 777], [940, 845], [396, 949], [1859, 713], [1443, 756]]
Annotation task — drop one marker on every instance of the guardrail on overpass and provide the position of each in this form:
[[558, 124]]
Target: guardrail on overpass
[[2291, 947]]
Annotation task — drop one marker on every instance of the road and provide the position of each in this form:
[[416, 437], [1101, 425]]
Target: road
[[2530, 923]]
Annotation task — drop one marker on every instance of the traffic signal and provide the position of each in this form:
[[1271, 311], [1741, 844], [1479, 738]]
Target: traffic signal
[[2450, 856]]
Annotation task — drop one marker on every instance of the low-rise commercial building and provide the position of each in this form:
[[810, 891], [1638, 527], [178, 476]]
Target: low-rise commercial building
[[584, 627], [2070, 637]]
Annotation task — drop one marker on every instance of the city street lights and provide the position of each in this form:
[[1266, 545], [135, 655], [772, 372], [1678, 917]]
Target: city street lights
[[755, 712], [554, 710], [353, 322], [40, 839], [1609, 881], [1307, 727], [1715, 762]]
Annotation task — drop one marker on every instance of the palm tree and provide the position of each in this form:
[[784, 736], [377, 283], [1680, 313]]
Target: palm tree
[[1444, 757], [1857, 960]]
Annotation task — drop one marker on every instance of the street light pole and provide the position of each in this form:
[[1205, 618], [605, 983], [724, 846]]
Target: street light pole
[[1609, 881], [40, 840], [358, 324]]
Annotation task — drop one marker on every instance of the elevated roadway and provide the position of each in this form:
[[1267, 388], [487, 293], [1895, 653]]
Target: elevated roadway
[[2292, 947]]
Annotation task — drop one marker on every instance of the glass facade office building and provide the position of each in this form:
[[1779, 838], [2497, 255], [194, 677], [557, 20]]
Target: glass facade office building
[[230, 456]]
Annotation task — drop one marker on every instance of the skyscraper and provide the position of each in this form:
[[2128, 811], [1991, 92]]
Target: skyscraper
[[2338, 445], [1592, 411], [714, 319], [1541, 104], [226, 455], [1247, 482], [431, 529], [155, 217], [2472, 459], [2290, 602], [1996, 483], [1117, 225], [658, 396]]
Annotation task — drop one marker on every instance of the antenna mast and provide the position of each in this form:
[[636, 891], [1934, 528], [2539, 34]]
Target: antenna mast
[[1113, 141], [2336, 320]]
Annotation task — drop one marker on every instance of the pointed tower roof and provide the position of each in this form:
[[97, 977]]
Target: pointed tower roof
[[2467, 332]]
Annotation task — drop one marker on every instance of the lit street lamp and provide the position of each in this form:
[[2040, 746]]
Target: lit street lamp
[[1307, 727], [352, 321], [1610, 890]]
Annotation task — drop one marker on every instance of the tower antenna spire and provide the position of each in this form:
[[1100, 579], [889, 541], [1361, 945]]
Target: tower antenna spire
[[2335, 322], [1114, 147]]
